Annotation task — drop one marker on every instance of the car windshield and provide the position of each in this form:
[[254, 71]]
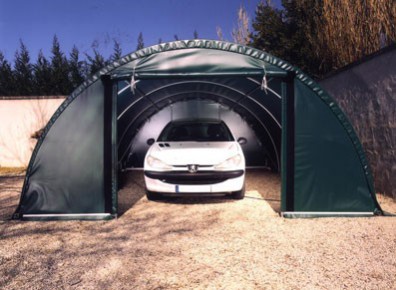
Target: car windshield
[[196, 131]]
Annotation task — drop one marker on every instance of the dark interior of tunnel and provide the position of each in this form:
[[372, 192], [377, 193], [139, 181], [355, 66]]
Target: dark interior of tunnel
[[247, 109]]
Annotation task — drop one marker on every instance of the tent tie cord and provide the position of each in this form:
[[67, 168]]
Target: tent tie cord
[[264, 82], [133, 82]]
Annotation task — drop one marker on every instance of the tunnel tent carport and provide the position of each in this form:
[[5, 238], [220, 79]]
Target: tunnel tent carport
[[73, 170]]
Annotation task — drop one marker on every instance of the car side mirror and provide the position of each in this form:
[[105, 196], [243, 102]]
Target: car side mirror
[[242, 141], [150, 141]]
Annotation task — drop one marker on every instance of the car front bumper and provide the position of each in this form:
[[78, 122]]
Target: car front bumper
[[180, 182]]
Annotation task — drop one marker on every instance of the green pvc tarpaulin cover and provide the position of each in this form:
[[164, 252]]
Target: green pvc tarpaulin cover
[[73, 169]]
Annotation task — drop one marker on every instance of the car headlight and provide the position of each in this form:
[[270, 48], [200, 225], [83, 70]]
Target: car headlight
[[157, 164], [230, 163]]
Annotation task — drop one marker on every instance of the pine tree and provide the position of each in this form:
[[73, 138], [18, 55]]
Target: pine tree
[[42, 75], [77, 68], [269, 30], [286, 33], [95, 62], [117, 51], [60, 83], [7, 84], [23, 72], [301, 25], [140, 43]]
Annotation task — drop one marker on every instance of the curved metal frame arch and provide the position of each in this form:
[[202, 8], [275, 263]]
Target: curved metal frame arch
[[219, 96], [205, 82], [143, 95], [210, 83]]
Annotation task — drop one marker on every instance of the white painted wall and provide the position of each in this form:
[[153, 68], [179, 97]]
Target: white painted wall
[[19, 119]]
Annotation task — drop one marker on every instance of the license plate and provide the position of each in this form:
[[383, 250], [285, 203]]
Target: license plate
[[192, 188]]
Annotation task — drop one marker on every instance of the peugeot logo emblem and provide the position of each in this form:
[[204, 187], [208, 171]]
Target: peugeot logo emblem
[[192, 168]]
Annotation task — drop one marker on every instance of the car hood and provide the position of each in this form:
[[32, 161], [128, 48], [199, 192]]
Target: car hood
[[200, 153]]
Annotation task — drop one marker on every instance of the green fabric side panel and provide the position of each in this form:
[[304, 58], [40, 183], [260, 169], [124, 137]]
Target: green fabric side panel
[[329, 175], [67, 173]]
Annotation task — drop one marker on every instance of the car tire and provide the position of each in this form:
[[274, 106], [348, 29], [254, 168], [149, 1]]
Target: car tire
[[239, 194], [152, 195]]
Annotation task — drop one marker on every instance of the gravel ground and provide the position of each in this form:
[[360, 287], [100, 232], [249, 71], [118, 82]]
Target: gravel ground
[[197, 243]]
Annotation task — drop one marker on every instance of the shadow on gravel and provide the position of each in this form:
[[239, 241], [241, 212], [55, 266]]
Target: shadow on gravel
[[274, 203], [132, 189], [266, 183]]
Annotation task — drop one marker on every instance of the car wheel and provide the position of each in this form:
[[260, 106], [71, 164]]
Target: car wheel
[[152, 195], [239, 194]]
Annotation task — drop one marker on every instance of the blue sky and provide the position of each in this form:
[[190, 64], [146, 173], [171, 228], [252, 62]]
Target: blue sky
[[81, 22]]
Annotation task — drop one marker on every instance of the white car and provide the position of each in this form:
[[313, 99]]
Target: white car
[[195, 157]]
